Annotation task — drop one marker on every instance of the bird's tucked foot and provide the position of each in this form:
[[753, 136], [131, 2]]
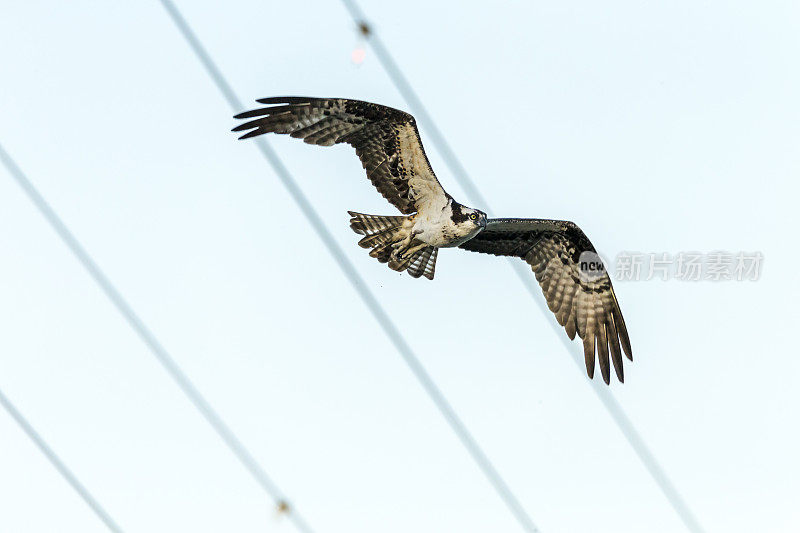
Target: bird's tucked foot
[[407, 247], [392, 240]]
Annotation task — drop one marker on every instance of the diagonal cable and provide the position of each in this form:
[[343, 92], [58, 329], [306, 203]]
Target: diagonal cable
[[148, 337], [613, 407], [352, 275], [56, 461]]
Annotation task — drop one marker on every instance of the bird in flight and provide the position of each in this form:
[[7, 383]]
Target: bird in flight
[[572, 276]]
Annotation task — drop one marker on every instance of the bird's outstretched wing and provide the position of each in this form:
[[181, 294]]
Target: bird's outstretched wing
[[574, 281], [386, 140]]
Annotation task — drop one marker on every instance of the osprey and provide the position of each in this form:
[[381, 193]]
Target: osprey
[[572, 276]]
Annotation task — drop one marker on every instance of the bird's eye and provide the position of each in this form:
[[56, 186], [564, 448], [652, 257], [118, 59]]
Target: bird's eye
[[473, 216]]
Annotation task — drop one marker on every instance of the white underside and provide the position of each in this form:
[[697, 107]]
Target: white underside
[[435, 227]]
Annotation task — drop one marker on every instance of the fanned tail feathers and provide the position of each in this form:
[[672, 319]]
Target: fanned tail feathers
[[372, 224], [423, 263], [382, 233]]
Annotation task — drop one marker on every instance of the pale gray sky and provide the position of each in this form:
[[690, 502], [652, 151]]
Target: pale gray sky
[[656, 127]]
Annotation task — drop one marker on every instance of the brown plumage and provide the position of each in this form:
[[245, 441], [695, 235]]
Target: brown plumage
[[583, 304], [388, 144], [386, 140], [381, 233]]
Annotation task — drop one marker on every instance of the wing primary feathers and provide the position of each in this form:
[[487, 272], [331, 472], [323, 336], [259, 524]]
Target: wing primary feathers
[[248, 125], [623, 331], [582, 301], [287, 100], [386, 141], [253, 133], [274, 110], [588, 355], [583, 315], [605, 367], [602, 350], [572, 328], [613, 342]]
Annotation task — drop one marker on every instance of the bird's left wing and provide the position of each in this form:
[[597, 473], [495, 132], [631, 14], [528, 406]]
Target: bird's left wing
[[386, 140], [574, 281]]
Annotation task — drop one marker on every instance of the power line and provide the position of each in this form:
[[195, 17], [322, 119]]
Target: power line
[[59, 465], [176, 373], [297, 194], [625, 425]]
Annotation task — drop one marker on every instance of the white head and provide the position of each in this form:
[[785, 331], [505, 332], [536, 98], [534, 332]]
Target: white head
[[468, 221]]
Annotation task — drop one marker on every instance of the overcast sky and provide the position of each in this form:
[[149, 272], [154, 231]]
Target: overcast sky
[[658, 127]]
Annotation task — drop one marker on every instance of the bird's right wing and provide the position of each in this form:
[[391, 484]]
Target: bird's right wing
[[574, 281], [386, 140]]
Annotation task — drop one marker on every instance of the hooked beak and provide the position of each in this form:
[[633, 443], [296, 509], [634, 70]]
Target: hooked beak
[[483, 222]]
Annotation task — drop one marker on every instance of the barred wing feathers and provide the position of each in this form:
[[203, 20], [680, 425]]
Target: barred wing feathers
[[386, 140], [583, 304]]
